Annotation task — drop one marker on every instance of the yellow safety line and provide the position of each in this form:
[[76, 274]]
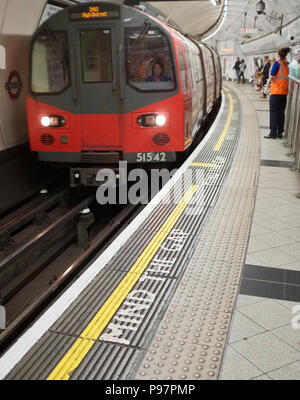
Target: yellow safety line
[[82, 345], [225, 88], [198, 164], [187, 141], [227, 125]]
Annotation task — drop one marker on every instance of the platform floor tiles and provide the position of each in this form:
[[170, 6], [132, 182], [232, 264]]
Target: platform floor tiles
[[264, 341]]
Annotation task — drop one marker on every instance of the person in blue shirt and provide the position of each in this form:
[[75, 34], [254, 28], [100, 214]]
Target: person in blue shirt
[[278, 94], [275, 68], [158, 73], [282, 53]]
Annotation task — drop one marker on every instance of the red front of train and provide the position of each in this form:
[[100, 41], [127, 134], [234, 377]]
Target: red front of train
[[110, 83]]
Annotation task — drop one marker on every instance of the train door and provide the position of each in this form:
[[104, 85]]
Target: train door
[[210, 77], [201, 61], [187, 97], [97, 84], [213, 71], [193, 88], [200, 85]]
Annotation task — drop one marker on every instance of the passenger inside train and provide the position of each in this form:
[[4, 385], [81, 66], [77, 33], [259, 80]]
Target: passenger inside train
[[142, 64], [158, 73]]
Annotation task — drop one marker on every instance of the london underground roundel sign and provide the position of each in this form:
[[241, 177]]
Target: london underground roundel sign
[[14, 85]]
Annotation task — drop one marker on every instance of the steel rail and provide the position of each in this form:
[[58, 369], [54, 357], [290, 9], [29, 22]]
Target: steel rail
[[49, 293], [46, 232], [29, 213]]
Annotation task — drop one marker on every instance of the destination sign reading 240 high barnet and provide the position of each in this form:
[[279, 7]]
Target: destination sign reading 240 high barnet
[[95, 12]]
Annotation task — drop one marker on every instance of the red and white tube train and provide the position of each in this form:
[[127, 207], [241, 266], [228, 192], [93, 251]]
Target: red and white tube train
[[111, 83]]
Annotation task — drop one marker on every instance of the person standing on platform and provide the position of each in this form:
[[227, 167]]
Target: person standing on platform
[[278, 95], [236, 67], [265, 71], [255, 69], [242, 70], [267, 86]]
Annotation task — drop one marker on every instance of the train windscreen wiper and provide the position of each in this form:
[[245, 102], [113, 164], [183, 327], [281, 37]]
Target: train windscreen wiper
[[143, 32]]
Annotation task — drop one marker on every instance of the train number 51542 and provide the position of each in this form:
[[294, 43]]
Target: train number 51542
[[151, 157]]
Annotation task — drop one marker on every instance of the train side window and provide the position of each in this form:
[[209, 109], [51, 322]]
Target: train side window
[[96, 55], [189, 63], [49, 67], [209, 68], [199, 66], [212, 63], [182, 72], [2, 57], [197, 72], [149, 63], [217, 65], [194, 67]]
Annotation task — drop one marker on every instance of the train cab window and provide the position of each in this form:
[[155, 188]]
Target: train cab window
[[49, 67], [96, 55], [149, 60]]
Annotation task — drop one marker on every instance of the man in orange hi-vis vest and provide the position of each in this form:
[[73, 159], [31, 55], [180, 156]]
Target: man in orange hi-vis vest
[[279, 76]]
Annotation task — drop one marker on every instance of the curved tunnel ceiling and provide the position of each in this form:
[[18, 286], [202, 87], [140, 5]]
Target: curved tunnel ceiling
[[194, 17], [242, 14]]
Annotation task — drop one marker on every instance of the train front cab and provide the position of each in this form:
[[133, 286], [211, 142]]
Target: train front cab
[[93, 100], [90, 99]]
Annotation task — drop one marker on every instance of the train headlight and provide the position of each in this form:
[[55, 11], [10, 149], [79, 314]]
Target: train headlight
[[46, 121], [151, 120], [160, 120], [52, 121]]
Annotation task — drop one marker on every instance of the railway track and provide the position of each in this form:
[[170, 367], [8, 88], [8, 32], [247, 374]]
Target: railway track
[[42, 249]]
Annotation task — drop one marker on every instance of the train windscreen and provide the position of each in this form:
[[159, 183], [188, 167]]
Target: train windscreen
[[149, 60], [49, 67]]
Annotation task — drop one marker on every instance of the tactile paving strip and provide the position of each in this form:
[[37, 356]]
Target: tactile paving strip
[[191, 338], [104, 361], [169, 358]]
